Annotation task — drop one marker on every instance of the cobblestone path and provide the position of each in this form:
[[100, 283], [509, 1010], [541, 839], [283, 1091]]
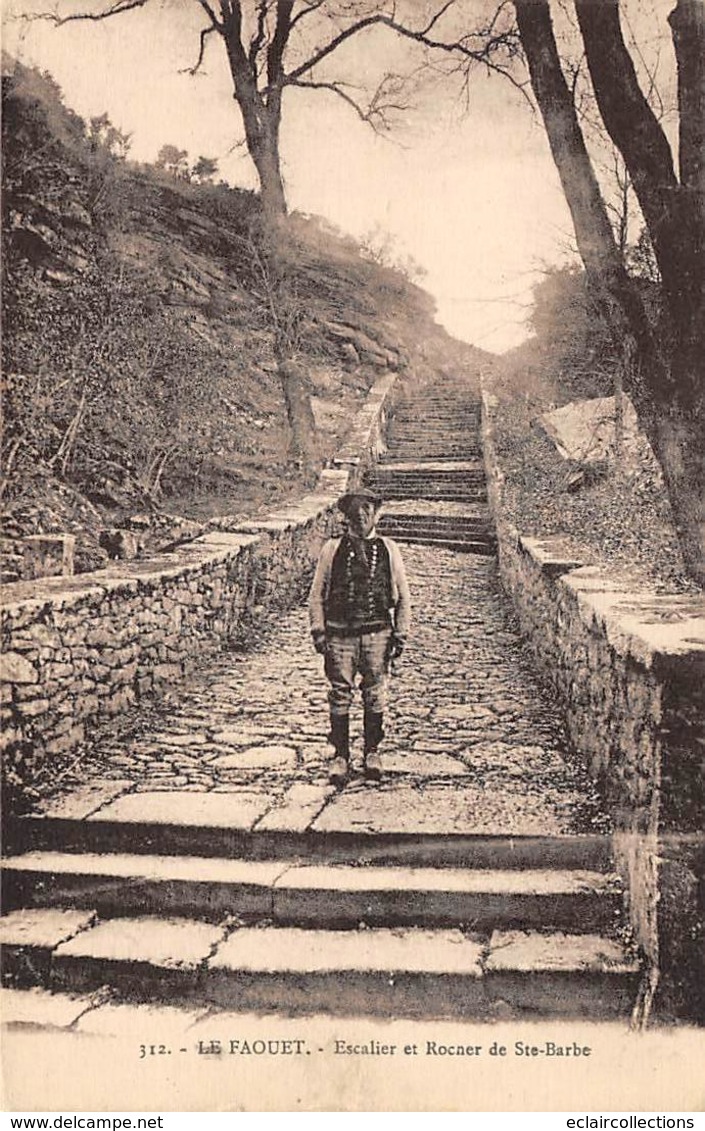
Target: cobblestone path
[[471, 747]]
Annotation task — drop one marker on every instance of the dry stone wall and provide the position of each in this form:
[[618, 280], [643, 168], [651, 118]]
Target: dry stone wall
[[79, 650], [628, 668]]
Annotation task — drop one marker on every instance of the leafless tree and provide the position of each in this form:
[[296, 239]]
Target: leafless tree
[[667, 380], [664, 362], [273, 46]]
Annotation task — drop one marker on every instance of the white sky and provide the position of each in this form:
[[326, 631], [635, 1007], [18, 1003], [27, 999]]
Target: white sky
[[473, 196]]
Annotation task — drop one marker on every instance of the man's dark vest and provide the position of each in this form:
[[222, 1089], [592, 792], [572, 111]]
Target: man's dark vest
[[360, 593]]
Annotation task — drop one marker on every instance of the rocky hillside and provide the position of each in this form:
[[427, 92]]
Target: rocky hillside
[[140, 380]]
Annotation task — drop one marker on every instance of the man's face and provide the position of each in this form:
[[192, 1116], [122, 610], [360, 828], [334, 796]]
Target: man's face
[[361, 516]]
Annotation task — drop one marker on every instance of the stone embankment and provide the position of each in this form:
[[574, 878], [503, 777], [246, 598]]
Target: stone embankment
[[79, 650], [628, 670]]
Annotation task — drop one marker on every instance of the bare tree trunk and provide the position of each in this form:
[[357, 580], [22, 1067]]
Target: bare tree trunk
[[680, 447], [266, 158], [598, 250], [261, 117], [656, 384], [674, 211], [303, 450]]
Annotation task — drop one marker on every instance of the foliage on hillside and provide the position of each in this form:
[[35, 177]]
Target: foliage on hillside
[[137, 350], [620, 515]]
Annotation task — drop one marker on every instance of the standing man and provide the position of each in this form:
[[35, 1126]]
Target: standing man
[[359, 610]]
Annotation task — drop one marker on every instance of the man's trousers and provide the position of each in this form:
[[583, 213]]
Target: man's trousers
[[366, 655]]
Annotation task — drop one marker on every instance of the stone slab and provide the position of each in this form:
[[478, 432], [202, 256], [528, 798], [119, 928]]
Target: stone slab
[[436, 766], [138, 867], [279, 950], [43, 928], [223, 539], [430, 465], [442, 508], [502, 809], [461, 711], [257, 758], [347, 896], [122, 884], [185, 740], [299, 806], [85, 800], [339, 877], [42, 1008], [238, 736], [530, 952], [205, 810], [170, 943]]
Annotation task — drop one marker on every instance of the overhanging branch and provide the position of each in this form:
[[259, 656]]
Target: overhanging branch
[[205, 32], [306, 11], [112, 10], [502, 41]]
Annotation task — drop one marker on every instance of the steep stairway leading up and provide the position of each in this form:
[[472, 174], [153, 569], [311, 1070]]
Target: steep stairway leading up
[[432, 476], [206, 862]]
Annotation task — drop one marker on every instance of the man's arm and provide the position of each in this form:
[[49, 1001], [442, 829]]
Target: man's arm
[[319, 589], [402, 609]]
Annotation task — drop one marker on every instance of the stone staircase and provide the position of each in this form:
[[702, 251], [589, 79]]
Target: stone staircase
[[432, 477], [354, 924], [202, 899]]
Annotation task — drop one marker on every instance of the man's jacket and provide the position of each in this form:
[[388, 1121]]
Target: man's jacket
[[320, 589]]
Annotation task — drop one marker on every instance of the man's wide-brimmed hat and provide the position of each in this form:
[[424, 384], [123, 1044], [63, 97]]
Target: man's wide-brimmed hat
[[361, 495]]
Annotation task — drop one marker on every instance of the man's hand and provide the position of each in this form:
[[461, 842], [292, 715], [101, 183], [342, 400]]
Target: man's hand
[[396, 646], [319, 641]]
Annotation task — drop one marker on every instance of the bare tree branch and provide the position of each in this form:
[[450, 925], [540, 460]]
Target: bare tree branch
[[334, 88], [205, 32], [260, 36], [507, 41], [439, 15], [211, 14], [275, 53], [380, 104], [306, 12], [113, 10]]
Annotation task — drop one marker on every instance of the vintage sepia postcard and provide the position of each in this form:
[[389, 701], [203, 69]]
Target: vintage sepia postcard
[[353, 498]]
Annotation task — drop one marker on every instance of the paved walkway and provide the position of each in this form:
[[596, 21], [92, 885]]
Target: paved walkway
[[472, 746]]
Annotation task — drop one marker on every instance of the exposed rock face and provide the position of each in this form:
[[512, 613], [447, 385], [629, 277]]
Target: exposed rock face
[[585, 431]]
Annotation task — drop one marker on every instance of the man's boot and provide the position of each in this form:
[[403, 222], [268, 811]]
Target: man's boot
[[374, 733], [340, 738]]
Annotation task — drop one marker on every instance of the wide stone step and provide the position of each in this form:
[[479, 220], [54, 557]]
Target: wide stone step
[[428, 466], [403, 972], [420, 422], [442, 494], [409, 530], [419, 456], [437, 437], [319, 895], [465, 524], [216, 825], [485, 548], [433, 451], [440, 429], [418, 410], [460, 478]]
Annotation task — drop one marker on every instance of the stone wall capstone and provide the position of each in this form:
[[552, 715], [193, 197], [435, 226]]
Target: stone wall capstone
[[628, 669]]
